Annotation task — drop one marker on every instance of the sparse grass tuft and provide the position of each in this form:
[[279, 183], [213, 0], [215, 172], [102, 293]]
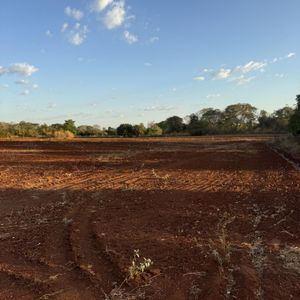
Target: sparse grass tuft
[[221, 249], [164, 178], [138, 266], [289, 143]]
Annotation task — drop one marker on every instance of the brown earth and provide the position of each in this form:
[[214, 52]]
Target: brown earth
[[219, 217]]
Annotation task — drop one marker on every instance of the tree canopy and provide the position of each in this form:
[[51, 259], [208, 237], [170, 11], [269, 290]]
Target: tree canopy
[[235, 118]]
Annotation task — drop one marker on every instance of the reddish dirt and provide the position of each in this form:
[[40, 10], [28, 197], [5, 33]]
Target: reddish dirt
[[219, 217]]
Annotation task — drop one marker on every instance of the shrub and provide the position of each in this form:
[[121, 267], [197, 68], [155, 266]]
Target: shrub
[[294, 123], [63, 135]]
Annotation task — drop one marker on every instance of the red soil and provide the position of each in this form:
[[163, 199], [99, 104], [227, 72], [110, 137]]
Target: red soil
[[219, 217]]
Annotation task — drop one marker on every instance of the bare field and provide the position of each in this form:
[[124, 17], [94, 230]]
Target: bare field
[[218, 216]]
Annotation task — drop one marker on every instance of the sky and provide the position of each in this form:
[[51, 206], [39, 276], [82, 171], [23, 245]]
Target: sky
[[108, 62]]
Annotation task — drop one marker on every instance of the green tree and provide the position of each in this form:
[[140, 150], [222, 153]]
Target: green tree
[[266, 122], [282, 117], [86, 130], [69, 125], [195, 126], [294, 122], [154, 130], [111, 131], [211, 119], [139, 130], [239, 117], [174, 125], [125, 130]]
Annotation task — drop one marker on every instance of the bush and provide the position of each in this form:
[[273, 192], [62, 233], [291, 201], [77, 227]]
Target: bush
[[125, 130], [63, 135], [294, 124], [154, 130]]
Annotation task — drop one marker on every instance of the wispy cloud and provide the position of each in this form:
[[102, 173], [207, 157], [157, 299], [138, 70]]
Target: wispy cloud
[[278, 59], [292, 54], [130, 38], [23, 69], [222, 74], [242, 74], [242, 79], [250, 67], [25, 93], [51, 106], [199, 78], [49, 33], [153, 39], [212, 96], [22, 82], [64, 27], [74, 13], [27, 85], [77, 34], [159, 108]]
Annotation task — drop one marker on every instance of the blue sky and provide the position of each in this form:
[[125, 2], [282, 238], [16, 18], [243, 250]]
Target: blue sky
[[108, 62]]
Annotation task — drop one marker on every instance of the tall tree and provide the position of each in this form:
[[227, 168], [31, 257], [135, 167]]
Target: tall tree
[[69, 125], [174, 124], [212, 118], [125, 130], [239, 117], [282, 117]]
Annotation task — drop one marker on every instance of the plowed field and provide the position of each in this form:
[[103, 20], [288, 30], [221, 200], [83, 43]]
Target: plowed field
[[219, 217]]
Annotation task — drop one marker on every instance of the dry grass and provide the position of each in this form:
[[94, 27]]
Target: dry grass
[[63, 135], [288, 143], [291, 258]]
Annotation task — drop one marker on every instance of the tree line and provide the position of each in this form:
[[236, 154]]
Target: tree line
[[235, 118]]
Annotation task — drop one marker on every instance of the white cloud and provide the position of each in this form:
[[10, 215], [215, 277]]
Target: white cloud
[[277, 59], [242, 79], [100, 5], [291, 55], [28, 85], [2, 70], [153, 39], [223, 73], [23, 69], [130, 38], [250, 67], [74, 13], [22, 82], [238, 73], [212, 96], [78, 34], [199, 78], [49, 33], [64, 27], [115, 17], [278, 75], [159, 108]]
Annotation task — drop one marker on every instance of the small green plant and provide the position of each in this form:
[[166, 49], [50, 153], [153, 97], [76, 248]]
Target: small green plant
[[138, 265], [137, 268]]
